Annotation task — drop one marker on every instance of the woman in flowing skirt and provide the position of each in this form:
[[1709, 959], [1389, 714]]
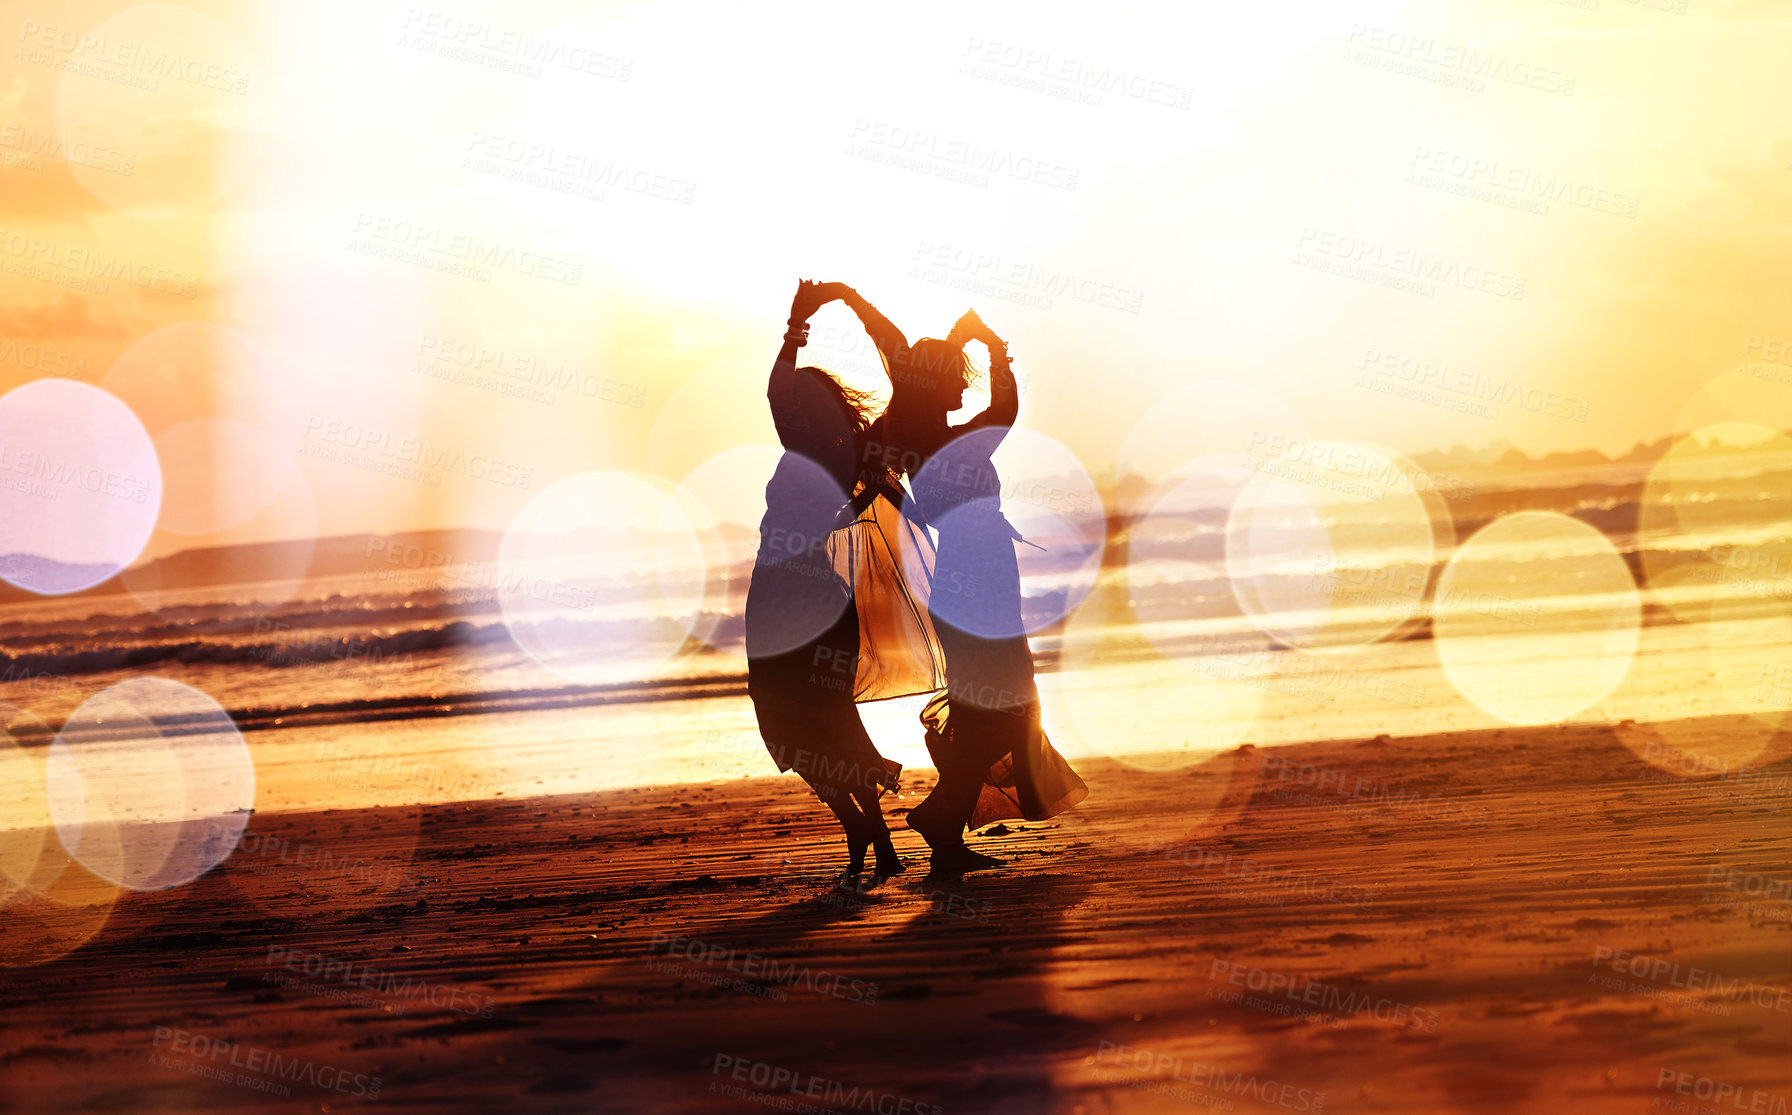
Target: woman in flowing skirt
[[984, 732]]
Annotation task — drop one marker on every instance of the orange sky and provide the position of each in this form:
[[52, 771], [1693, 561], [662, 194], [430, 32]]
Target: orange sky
[[294, 235]]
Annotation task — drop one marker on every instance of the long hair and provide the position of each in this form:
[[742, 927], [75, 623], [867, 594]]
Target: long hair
[[855, 411], [858, 406]]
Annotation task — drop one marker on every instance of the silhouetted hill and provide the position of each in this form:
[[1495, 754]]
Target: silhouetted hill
[[340, 555]]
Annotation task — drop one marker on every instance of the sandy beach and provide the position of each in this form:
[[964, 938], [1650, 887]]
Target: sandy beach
[[1508, 920]]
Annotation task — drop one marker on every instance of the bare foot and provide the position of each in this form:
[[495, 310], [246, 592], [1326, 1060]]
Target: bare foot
[[959, 860], [888, 862], [941, 835]]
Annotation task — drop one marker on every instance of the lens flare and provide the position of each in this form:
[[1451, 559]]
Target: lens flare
[[162, 115], [601, 577], [30, 857], [303, 857], [270, 574], [220, 406], [797, 591], [977, 487], [1710, 694], [46, 925], [80, 486], [720, 406], [1536, 617], [1205, 419], [1091, 708], [1211, 696], [1715, 521], [1756, 393], [1330, 545], [729, 489], [1176, 573], [150, 784]]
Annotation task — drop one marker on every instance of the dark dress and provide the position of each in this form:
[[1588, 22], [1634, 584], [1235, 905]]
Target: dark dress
[[989, 718], [802, 624]]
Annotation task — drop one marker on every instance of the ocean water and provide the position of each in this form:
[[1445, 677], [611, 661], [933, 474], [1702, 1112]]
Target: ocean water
[[384, 688]]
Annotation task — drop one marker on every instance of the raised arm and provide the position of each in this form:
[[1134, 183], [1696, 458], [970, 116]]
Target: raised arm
[[792, 424], [882, 331], [1004, 395]]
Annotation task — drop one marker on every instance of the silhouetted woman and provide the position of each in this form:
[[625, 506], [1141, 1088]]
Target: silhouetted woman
[[984, 732], [802, 622]]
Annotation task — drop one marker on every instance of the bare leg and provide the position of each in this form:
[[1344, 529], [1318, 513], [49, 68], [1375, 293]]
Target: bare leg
[[858, 830], [979, 738], [888, 862], [940, 816], [940, 821]]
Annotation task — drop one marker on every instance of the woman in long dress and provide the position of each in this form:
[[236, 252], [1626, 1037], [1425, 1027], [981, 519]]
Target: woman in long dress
[[820, 536], [984, 732]]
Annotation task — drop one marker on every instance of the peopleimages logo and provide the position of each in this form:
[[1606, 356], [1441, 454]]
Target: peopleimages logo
[[1667, 973], [791, 1082], [1450, 63], [975, 160], [1479, 393], [777, 974], [1070, 78], [1254, 871], [506, 48], [366, 977], [1520, 187], [70, 474], [75, 152], [408, 458], [1721, 1094], [261, 1069], [124, 62], [1398, 266], [458, 251], [1206, 1076], [1335, 1001], [74, 260], [37, 358]]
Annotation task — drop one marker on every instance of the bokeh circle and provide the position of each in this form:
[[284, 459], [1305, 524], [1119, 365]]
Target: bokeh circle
[[157, 108], [973, 490], [150, 784], [601, 577], [1715, 521], [728, 491], [1330, 545], [1536, 618], [80, 486]]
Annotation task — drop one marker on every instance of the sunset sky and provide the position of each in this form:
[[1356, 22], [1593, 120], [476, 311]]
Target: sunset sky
[[253, 223]]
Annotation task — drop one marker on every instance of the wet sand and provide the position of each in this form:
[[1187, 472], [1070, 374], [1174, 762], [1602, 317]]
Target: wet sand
[[1525, 920]]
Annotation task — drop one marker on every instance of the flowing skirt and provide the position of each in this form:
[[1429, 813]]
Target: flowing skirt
[[880, 644], [1024, 777], [802, 699], [988, 719]]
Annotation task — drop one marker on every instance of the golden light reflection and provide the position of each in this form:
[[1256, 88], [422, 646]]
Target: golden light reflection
[[1536, 618]]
